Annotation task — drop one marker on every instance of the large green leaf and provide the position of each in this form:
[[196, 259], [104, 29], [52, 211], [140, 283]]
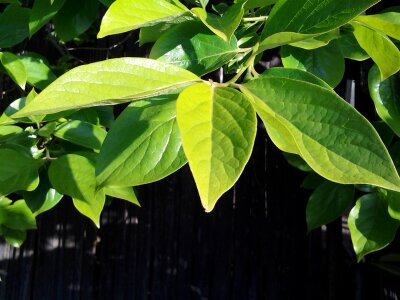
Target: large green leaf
[[218, 127], [386, 97], [13, 25], [126, 15], [38, 72], [312, 16], [223, 26], [108, 82], [277, 132], [42, 11], [14, 67], [389, 23], [16, 215], [143, 146], [81, 133], [43, 198], [74, 175], [70, 21], [122, 192], [373, 42], [330, 135], [327, 203], [326, 63], [370, 225], [18, 171], [318, 41], [191, 46]]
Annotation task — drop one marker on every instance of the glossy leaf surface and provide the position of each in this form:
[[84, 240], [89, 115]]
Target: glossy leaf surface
[[42, 11], [218, 127], [16, 215], [326, 63], [143, 146], [388, 22], [193, 47], [81, 133], [370, 225], [328, 202], [330, 135], [74, 175], [108, 82], [14, 67], [70, 22], [373, 42], [126, 15], [19, 171], [386, 97], [223, 26], [13, 25]]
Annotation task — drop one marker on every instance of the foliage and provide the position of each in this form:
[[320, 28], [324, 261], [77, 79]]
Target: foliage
[[64, 140]]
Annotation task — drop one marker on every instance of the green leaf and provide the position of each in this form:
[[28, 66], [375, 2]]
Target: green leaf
[[278, 133], [393, 199], [328, 202], [14, 67], [312, 16], [13, 25], [38, 72], [318, 41], [126, 15], [70, 22], [191, 46], [350, 48], [43, 198], [223, 26], [74, 175], [326, 63], [42, 11], [14, 237], [297, 162], [8, 131], [370, 225], [16, 215], [150, 34], [108, 82], [143, 146], [386, 97], [312, 181], [218, 127], [389, 23], [373, 42], [330, 135], [122, 192], [250, 4], [19, 171], [81, 133]]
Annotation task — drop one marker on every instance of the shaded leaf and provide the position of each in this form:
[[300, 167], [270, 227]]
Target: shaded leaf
[[13, 25], [191, 46], [370, 225], [42, 11], [386, 97], [326, 63], [143, 146], [74, 175], [12, 236], [81, 133], [19, 171], [350, 48], [122, 192], [16, 215], [328, 202]]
